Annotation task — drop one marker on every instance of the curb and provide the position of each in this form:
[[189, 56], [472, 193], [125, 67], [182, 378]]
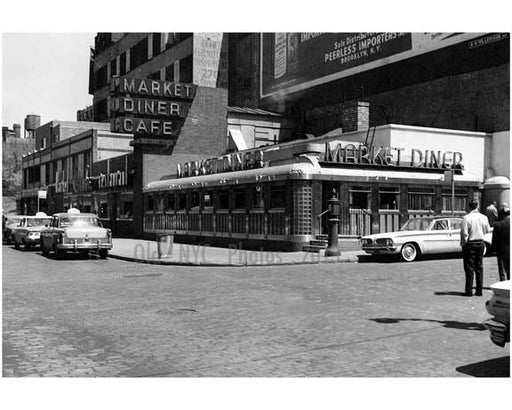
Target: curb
[[350, 259]]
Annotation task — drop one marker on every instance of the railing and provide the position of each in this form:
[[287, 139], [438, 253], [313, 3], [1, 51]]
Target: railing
[[255, 222], [355, 222], [389, 221]]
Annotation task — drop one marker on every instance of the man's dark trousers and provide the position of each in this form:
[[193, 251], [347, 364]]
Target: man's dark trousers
[[473, 254]]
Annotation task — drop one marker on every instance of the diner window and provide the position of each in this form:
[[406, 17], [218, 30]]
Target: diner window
[[171, 203], [240, 202], [460, 199], [388, 198], [113, 68], [360, 197], [421, 199], [257, 201], [181, 202], [160, 202], [194, 201], [208, 200], [223, 199], [149, 203], [278, 196]]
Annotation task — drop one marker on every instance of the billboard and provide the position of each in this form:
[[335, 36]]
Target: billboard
[[292, 62]]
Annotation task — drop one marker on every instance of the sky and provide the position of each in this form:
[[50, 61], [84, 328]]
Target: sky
[[45, 74]]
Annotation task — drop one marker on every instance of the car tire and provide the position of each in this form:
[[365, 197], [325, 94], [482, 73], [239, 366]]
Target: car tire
[[26, 245], [16, 245], [409, 252], [103, 253]]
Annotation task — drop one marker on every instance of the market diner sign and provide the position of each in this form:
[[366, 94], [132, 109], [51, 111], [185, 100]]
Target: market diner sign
[[146, 107], [361, 154], [227, 163]]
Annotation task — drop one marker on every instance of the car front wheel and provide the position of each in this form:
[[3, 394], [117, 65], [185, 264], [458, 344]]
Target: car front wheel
[[409, 252]]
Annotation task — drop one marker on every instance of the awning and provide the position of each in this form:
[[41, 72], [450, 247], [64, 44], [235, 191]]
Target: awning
[[238, 139]]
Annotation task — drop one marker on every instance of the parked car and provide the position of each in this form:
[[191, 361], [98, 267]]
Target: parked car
[[76, 232], [9, 222], [420, 236], [28, 232], [499, 307]]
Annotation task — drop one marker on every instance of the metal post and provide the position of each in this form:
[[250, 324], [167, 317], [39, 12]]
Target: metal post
[[453, 191], [333, 222]]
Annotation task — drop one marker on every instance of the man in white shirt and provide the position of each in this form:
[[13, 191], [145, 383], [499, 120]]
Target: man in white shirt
[[474, 227]]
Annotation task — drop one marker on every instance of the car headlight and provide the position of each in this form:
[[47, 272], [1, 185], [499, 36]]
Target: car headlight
[[366, 241], [385, 241], [33, 235]]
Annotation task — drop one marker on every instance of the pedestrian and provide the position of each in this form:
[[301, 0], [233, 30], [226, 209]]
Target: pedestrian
[[492, 213], [474, 227], [501, 242]]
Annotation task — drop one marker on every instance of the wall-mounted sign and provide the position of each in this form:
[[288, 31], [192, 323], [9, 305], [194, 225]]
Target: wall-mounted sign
[[112, 180], [145, 126], [154, 111], [361, 154], [227, 163], [292, 62], [146, 107], [152, 88]]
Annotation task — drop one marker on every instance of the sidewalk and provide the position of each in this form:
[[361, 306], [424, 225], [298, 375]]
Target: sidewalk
[[144, 251]]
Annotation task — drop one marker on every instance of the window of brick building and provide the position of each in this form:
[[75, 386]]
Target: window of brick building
[[139, 54], [186, 70], [169, 73], [157, 38], [122, 65]]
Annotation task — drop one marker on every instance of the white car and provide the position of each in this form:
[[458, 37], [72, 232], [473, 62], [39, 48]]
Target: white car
[[499, 307], [420, 236]]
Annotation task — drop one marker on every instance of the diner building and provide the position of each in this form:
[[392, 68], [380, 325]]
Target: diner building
[[277, 197]]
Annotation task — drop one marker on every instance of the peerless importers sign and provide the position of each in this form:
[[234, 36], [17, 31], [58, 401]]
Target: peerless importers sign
[[150, 107], [361, 154]]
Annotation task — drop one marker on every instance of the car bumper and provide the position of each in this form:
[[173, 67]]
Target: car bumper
[[499, 332], [83, 246], [381, 250]]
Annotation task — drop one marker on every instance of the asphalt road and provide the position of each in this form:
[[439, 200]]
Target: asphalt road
[[82, 317]]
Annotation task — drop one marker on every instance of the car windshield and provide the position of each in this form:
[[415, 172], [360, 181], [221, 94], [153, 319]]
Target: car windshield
[[38, 221], [417, 224], [79, 221]]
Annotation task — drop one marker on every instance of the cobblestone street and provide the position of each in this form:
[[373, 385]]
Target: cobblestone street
[[81, 317]]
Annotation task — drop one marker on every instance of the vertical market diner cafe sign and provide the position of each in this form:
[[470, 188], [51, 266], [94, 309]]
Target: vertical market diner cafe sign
[[361, 154], [150, 107]]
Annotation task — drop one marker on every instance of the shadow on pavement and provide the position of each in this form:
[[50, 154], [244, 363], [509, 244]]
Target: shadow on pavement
[[396, 258], [452, 293], [452, 324], [499, 367]]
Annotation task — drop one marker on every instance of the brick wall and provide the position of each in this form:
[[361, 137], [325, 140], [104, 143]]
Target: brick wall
[[474, 101]]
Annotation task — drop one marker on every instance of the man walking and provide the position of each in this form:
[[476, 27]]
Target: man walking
[[492, 213], [474, 227], [501, 242]]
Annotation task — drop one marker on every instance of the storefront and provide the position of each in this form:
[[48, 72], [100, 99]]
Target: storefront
[[277, 198]]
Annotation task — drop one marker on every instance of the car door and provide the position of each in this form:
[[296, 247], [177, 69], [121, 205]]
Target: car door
[[438, 237], [455, 226]]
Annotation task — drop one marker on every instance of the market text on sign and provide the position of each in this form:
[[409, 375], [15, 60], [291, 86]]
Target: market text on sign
[[390, 156], [153, 88]]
